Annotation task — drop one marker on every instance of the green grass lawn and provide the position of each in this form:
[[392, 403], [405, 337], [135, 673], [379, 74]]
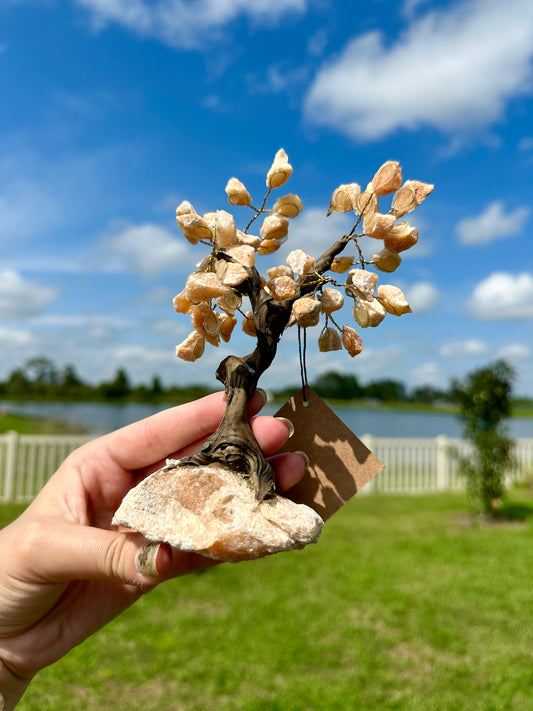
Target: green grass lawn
[[405, 603], [36, 425]]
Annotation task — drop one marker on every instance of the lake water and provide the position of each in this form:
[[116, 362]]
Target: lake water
[[104, 417]]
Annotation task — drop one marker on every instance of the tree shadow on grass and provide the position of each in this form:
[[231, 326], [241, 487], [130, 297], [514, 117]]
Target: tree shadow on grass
[[520, 511]]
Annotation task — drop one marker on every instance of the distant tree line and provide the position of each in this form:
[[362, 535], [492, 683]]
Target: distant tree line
[[342, 386], [41, 379]]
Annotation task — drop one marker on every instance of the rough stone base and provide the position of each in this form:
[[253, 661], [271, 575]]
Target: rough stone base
[[212, 511]]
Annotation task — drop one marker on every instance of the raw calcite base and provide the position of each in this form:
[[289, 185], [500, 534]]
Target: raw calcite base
[[212, 511]]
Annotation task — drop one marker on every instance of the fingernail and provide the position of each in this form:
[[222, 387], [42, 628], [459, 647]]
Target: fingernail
[[288, 423], [146, 559], [304, 456], [263, 394]]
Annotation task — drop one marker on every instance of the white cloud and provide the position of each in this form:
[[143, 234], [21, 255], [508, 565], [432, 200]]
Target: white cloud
[[503, 296], [84, 321], [378, 362], [279, 77], [454, 69], [187, 24], [422, 296], [410, 7], [175, 328], [526, 143], [317, 43], [15, 338], [492, 224], [514, 352], [20, 297], [143, 354], [27, 208], [461, 349], [158, 295], [427, 374], [150, 249]]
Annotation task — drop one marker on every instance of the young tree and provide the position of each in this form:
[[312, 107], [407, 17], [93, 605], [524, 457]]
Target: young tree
[[117, 388], [43, 374], [301, 291], [484, 400]]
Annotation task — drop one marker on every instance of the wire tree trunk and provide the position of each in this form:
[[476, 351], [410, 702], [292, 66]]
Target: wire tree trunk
[[233, 443]]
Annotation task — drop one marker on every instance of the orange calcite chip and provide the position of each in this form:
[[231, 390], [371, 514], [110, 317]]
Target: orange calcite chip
[[274, 227], [237, 193], [181, 303], [268, 246], [198, 312], [289, 205], [281, 270], [202, 286], [367, 203], [329, 340], [244, 238], [409, 196], [344, 198], [185, 208], [280, 170], [331, 300], [300, 262], [351, 341], [369, 313], [227, 324], [193, 227], [234, 275], [386, 260], [341, 264], [282, 287], [242, 253], [378, 225], [223, 227], [393, 300], [362, 283], [192, 347], [388, 178], [229, 302], [212, 323], [248, 324], [306, 311], [401, 237]]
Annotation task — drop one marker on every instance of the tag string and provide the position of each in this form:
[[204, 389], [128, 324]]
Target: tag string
[[302, 350]]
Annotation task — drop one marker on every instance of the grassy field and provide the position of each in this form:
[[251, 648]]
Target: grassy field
[[406, 603], [36, 425]]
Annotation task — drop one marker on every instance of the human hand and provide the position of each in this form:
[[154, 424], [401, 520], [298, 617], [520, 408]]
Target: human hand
[[66, 571]]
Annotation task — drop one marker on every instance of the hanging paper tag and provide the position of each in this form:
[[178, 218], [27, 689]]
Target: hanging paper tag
[[340, 464]]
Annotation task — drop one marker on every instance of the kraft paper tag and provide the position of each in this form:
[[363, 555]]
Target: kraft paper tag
[[340, 464]]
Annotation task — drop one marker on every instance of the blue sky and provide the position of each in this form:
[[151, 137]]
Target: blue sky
[[114, 111]]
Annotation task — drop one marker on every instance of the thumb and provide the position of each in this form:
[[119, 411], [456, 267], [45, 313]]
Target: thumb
[[60, 551]]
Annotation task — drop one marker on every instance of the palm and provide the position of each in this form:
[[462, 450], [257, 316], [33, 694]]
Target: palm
[[61, 582]]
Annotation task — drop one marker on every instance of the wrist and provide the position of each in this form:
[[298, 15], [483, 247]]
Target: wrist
[[12, 687]]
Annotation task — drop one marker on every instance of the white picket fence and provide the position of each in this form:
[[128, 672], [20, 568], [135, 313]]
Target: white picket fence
[[411, 465], [419, 465], [28, 461]]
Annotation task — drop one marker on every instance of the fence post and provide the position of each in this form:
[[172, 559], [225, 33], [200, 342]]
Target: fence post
[[443, 479], [12, 438], [368, 441]]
